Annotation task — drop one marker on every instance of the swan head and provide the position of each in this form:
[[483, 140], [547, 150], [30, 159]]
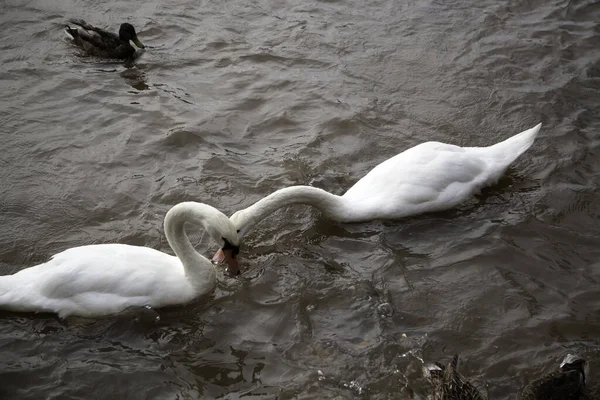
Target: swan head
[[216, 224], [230, 250], [239, 220], [222, 231]]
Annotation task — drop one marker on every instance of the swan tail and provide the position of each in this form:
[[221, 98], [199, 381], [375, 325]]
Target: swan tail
[[7, 292], [15, 296], [507, 151]]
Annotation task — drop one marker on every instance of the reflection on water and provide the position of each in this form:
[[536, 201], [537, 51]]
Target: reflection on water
[[234, 100], [135, 77]]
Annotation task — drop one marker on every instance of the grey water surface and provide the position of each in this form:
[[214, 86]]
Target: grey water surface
[[234, 99]]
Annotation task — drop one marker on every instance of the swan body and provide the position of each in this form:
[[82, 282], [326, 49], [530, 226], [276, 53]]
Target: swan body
[[102, 279], [431, 176], [100, 42]]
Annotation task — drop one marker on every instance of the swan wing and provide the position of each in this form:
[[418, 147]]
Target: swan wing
[[428, 177], [97, 279]]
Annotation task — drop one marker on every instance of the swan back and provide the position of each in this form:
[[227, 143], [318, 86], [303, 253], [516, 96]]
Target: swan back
[[432, 176], [428, 177], [98, 280], [108, 278]]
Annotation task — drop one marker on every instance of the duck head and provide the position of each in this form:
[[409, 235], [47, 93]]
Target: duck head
[[127, 33], [572, 362]]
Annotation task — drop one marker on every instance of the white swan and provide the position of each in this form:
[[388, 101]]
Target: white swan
[[431, 176], [104, 279]]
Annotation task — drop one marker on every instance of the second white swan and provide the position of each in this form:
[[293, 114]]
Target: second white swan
[[431, 176]]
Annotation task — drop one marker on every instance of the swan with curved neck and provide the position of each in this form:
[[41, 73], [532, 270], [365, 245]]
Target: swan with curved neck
[[104, 279], [431, 176]]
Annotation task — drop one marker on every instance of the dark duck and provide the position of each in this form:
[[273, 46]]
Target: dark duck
[[567, 383], [449, 384], [102, 43]]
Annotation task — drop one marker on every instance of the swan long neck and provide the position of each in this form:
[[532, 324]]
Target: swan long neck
[[198, 269], [331, 205]]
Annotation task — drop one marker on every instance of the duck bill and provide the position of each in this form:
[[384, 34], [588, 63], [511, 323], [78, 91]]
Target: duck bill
[[227, 257], [138, 43]]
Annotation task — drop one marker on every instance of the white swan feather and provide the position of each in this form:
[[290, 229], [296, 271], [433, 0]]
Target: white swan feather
[[431, 176], [102, 279]]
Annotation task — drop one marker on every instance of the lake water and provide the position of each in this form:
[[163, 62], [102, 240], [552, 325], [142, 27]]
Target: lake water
[[235, 99]]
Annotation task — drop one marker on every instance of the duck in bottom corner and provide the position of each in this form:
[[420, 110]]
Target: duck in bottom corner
[[567, 383], [449, 384]]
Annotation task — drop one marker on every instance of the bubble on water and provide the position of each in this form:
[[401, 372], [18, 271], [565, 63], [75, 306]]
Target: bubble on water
[[142, 314], [321, 375], [355, 387], [385, 310], [310, 307]]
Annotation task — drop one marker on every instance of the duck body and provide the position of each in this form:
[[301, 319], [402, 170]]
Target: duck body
[[103, 279], [102, 43], [431, 176], [449, 384], [567, 383]]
